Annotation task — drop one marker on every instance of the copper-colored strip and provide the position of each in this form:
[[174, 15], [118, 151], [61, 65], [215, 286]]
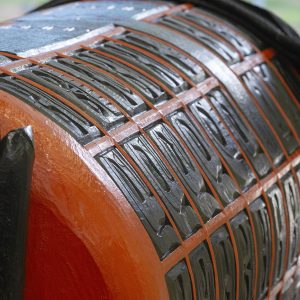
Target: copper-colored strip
[[214, 262], [186, 148], [208, 72], [246, 206], [9, 55], [191, 273], [287, 221], [231, 211], [252, 61], [70, 104]]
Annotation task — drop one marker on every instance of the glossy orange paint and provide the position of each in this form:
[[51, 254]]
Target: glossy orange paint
[[81, 197]]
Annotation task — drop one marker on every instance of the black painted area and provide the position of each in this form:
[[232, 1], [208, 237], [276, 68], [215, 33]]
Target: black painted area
[[203, 272], [76, 125], [179, 282], [16, 162], [165, 185], [244, 239], [261, 222], [206, 157], [142, 201], [225, 263]]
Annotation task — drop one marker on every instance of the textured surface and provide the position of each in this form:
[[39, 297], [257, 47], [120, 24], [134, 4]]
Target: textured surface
[[173, 126]]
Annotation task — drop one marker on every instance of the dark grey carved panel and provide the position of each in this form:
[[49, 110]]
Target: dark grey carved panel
[[165, 185], [206, 157], [218, 134], [142, 201], [186, 170], [121, 94], [76, 125]]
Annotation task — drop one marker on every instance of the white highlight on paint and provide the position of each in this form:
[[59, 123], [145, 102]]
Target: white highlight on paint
[[25, 27], [69, 29], [150, 12], [48, 28], [128, 8], [63, 44]]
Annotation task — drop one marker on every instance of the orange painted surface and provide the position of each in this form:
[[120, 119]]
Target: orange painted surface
[[66, 184], [54, 250]]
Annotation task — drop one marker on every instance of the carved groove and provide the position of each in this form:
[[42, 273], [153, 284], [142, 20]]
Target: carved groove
[[122, 95], [229, 55], [171, 55], [165, 185], [170, 78], [218, 28], [77, 126], [142, 201]]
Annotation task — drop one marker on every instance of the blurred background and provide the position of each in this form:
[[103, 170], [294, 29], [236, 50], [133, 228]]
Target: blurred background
[[289, 10]]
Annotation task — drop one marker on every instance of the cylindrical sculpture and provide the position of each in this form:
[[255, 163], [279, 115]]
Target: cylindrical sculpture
[[167, 161]]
